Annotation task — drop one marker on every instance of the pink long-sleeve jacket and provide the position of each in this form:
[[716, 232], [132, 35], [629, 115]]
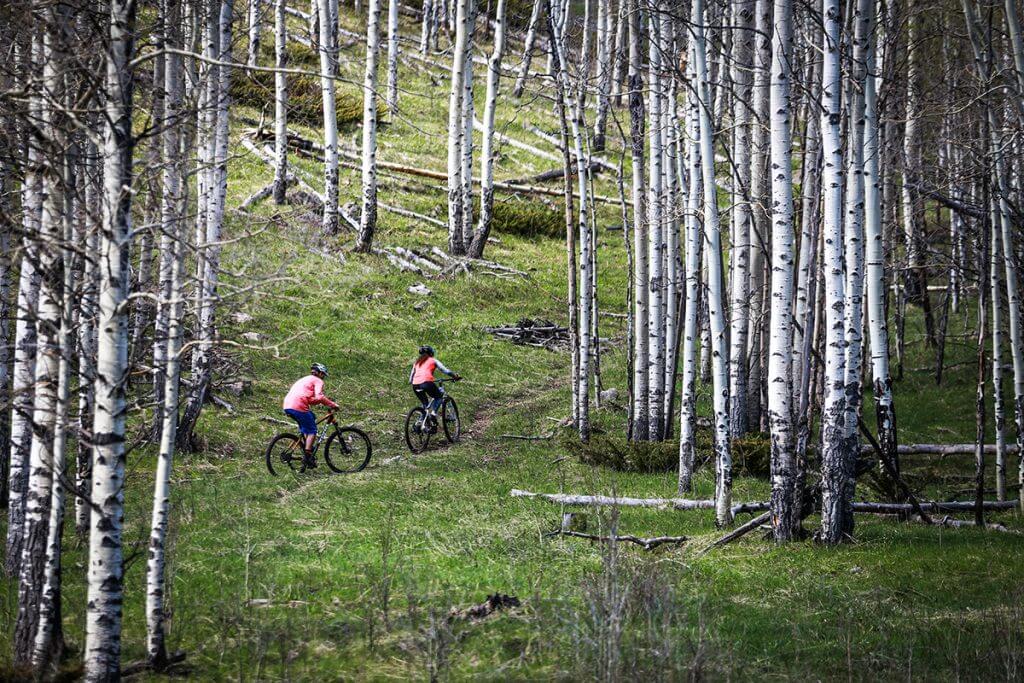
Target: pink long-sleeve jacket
[[306, 392]]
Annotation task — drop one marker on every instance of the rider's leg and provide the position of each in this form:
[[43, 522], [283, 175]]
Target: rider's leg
[[309, 442], [435, 394]]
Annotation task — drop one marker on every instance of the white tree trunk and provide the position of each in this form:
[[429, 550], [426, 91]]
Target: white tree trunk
[[87, 329], [834, 466], [605, 36], [641, 276], [49, 637], [172, 246], [716, 297], [656, 235], [428, 25], [468, 114], [456, 129], [368, 218], [328, 68], [255, 29], [476, 249], [750, 401], [280, 102], [392, 100], [105, 570], [691, 320], [31, 576], [739, 255], [578, 125], [874, 246], [853, 240], [784, 496], [531, 37]]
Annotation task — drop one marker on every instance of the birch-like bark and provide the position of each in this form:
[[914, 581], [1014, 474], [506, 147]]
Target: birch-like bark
[[691, 313], [999, 183], [456, 129], [716, 300], [577, 126], [604, 71], [834, 466], [468, 115], [87, 330], [7, 267], [38, 492], [853, 240], [392, 99], [528, 42], [49, 637], [208, 234], [656, 233], [328, 68], [739, 254], [874, 245], [25, 334], [641, 276], [255, 31], [105, 569], [759, 187], [487, 155], [280, 102], [675, 187], [368, 217], [784, 496], [620, 51]]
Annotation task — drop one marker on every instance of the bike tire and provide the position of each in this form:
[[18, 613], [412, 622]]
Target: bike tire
[[348, 450], [416, 439], [450, 419], [280, 450]]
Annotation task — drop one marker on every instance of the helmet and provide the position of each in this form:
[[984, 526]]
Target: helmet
[[426, 350], [319, 367]]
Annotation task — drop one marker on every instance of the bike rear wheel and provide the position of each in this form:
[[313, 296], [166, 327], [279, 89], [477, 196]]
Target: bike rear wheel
[[450, 419], [416, 437], [348, 450], [285, 453]]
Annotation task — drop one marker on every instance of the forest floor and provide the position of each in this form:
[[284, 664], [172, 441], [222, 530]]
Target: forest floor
[[321, 577]]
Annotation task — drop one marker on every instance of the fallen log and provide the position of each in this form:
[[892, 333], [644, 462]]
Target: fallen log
[[942, 449], [498, 185], [645, 543], [556, 174], [544, 135], [612, 501], [931, 506], [519, 144], [738, 532]]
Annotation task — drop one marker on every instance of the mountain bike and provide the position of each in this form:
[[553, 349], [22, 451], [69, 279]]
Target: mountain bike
[[347, 450], [420, 425]]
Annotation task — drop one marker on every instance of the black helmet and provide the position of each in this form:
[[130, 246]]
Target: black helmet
[[426, 350], [319, 367]]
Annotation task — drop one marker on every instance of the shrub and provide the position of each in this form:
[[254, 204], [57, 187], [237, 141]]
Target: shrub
[[617, 453], [527, 218], [305, 101], [753, 454]]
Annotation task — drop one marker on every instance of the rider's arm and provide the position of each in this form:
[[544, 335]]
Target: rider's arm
[[442, 368], [412, 372], [319, 397]]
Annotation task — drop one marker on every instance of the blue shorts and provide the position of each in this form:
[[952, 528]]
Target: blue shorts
[[306, 420]]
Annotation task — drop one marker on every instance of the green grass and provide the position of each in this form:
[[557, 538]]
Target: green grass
[[352, 577]]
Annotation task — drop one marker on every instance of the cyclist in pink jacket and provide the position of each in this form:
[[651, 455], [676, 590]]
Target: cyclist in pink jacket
[[304, 393], [421, 377]]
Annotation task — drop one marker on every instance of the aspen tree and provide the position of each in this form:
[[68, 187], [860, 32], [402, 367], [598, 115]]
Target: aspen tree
[[834, 466], [105, 568], [784, 496], [368, 216]]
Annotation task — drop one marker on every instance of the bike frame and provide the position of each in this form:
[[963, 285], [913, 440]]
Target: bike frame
[[321, 433]]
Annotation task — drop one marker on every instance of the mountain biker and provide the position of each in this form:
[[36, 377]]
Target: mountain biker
[[421, 377], [306, 392]]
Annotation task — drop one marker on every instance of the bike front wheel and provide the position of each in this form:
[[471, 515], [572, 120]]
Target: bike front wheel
[[417, 431], [348, 450], [284, 451], [450, 418]]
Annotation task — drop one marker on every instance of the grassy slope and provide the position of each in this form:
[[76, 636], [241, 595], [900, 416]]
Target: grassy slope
[[360, 571]]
